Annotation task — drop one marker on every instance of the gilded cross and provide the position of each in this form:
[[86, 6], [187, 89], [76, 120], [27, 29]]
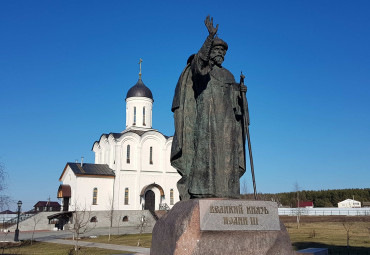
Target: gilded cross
[[140, 68]]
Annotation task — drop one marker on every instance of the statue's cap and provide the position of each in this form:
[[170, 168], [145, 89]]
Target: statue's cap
[[218, 41]]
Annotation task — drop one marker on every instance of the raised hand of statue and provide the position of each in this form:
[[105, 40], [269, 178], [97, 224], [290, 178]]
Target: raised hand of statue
[[209, 24]]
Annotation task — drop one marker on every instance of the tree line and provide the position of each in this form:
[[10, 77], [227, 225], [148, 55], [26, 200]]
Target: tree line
[[320, 198]]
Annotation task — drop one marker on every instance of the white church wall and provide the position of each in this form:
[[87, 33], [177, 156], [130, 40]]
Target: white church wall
[[83, 197], [127, 180], [167, 153], [133, 141], [171, 183], [136, 119], [152, 143]]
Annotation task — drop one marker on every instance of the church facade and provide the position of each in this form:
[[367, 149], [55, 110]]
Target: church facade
[[132, 169]]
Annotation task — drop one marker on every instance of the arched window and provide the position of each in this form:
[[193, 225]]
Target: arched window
[[128, 155], [95, 196], [171, 197], [144, 116], [126, 196], [125, 218], [134, 115], [94, 219], [151, 155]]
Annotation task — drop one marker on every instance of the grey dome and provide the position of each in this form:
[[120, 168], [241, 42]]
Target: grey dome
[[139, 90]]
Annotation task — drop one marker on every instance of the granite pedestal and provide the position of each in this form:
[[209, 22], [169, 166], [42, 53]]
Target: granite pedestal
[[220, 226]]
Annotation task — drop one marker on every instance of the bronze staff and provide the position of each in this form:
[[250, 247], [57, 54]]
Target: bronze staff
[[246, 134]]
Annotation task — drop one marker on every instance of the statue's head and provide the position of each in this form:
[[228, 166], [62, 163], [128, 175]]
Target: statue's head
[[218, 51]]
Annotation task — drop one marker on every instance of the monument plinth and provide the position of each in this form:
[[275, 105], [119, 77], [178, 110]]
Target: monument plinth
[[221, 226]]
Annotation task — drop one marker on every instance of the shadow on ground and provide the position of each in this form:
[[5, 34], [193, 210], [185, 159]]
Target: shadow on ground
[[333, 250]]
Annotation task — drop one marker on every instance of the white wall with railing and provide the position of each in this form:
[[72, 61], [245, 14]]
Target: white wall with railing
[[321, 211]]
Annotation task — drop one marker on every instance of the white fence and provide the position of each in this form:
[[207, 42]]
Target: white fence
[[325, 211]]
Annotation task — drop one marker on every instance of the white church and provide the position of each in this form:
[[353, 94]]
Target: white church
[[132, 169]]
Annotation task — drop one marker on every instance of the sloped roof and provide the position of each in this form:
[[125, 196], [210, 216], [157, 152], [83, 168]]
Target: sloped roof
[[47, 203], [348, 200], [305, 203], [91, 169], [64, 190], [8, 212]]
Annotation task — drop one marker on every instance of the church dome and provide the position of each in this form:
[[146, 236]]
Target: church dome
[[139, 90]]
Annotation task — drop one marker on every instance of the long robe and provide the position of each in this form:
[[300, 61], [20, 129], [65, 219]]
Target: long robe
[[208, 148]]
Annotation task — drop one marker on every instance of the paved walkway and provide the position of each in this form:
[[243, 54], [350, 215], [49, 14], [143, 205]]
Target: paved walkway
[[117, 247], [59, 237]]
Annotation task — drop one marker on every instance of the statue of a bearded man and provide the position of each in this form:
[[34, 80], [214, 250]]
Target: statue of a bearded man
[[208, 145]]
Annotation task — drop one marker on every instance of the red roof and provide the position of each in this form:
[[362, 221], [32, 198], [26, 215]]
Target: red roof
[[7, 212], [46, 203], [305, 204]]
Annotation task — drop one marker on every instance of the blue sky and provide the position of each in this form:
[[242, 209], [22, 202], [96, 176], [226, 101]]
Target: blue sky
[[66, 66]]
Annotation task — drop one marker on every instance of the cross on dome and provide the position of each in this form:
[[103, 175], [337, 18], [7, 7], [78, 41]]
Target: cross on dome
[[140, 61]]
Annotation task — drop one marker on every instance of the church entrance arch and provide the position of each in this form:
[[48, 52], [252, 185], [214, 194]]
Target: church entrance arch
[[149, 201], [151, 195]]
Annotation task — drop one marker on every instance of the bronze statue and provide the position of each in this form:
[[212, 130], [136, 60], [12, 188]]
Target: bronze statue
[[211, 120]]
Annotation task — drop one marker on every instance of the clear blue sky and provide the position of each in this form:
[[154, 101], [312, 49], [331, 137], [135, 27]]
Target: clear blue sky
[[66, 66]]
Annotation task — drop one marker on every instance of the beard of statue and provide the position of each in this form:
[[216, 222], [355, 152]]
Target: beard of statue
[[218, 60], [217, 55]]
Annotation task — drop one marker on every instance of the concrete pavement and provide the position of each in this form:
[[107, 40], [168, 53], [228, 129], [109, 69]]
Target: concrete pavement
[[136, 250], [60, 237]]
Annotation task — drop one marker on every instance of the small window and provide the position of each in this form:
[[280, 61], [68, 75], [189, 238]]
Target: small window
[[95, 196], [94, 219], [134, 115], [125, 219], [128, 155], [171, 197], [151, 155], [144, 116], [126, 196]]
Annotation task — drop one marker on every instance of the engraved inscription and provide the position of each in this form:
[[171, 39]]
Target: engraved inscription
[[235, 220], [254, 220], [238, 209], [257, 210], [219, 215]]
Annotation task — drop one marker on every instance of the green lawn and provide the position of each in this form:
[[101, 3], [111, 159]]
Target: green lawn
[[41, 248], [130, 240]]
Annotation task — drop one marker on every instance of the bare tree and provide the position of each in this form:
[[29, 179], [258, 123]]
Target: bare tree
[[143, 223], [299, 211], [119, 219], [81, 223], [4, 199], [110, 216], [348, 226], [3, 241], [35, 220]]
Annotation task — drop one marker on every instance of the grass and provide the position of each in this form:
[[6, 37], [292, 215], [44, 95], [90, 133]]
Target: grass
[[39, 248], [332, 235], [130, 240]]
